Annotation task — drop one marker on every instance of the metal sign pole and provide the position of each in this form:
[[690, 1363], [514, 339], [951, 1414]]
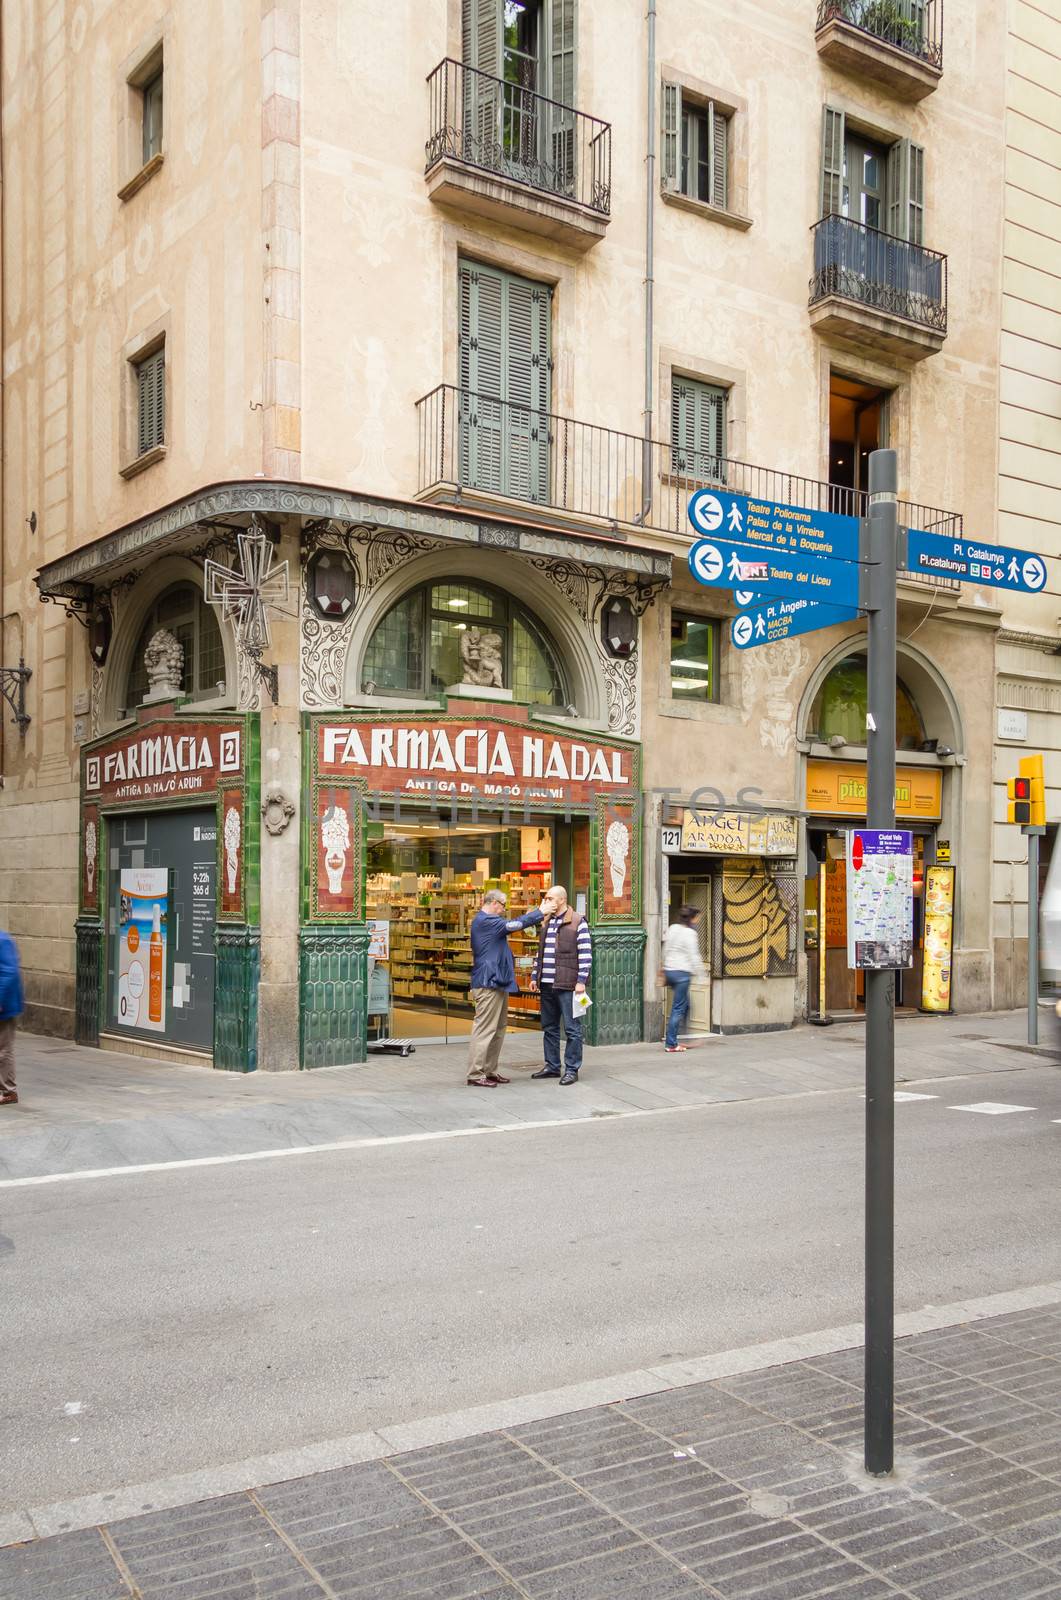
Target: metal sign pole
[[879, 541], [1033, 934]]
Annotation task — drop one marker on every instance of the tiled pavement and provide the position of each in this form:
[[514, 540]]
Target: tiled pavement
[[746, 1488]]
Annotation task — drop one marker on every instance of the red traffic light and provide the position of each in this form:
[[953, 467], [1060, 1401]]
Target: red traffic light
[[1021, 789]]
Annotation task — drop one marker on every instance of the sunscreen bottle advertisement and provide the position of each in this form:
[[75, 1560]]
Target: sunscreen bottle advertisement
[[142, 936]]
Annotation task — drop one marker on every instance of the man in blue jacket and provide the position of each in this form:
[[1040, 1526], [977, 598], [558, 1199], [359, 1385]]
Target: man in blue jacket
[[11, 1002], [493, 980]]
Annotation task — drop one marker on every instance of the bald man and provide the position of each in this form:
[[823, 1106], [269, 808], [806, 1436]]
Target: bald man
[[562, 969]]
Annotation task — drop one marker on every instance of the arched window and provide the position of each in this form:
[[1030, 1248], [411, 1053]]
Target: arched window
[[184, 612], [841, 704], [420, 646]]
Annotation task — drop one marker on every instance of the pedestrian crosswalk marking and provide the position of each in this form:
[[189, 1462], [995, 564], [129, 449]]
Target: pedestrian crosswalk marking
[[992, 1108]]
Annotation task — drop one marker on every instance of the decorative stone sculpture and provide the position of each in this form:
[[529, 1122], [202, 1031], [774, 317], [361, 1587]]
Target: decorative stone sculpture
[[481, 658], [277, 810], [90, 856], [233, 831], [335, 837], [617, 846], [164, 661]]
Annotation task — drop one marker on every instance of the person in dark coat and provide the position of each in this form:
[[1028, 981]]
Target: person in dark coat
[[493, 980], [11, 1005]]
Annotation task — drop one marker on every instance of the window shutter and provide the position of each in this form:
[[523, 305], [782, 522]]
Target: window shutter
[[719, 135], [831, 193], [151, 402], [480, 342], [906, 191], [562, 25], [505, 378], [698, 430], [526, 460], [481, 41], [671, 141]]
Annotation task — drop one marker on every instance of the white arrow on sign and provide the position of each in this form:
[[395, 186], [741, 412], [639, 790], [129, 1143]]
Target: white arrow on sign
[[744, 597], [742, 630], [1034, 572], [706, 513], [708, 562]]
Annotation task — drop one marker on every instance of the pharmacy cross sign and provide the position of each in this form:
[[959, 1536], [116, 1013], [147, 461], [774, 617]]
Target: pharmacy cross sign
[[245, 591]]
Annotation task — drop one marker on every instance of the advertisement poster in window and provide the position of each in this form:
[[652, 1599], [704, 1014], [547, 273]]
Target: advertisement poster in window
[[939, 938], [143, 932]]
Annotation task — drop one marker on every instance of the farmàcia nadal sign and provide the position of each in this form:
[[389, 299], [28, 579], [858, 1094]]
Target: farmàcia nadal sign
[[483, 756]]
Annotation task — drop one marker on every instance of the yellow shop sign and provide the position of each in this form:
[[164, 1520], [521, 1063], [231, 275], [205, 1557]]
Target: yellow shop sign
[[838, 788], [739, 833]]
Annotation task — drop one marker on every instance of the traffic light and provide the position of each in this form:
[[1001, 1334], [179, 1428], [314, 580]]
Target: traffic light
[[1031, 769], [1019, 791], [1027, 795]]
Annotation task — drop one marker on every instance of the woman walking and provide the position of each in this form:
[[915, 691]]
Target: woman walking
[[681, 963]]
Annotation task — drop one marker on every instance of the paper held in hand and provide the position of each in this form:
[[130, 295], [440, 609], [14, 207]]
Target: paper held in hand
[[581, 1004]]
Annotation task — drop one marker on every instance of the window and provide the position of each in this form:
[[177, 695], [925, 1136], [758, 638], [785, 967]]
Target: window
[[152, 116], [183, 611], [518, 101], [505, 380], [421, 645], [698, 430], [696, 140], [693, 657], [879, 185], [839, 709], [150, 400]]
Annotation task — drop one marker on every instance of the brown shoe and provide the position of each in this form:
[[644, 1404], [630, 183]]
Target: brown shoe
[[482, 1082], [495, 1077], [9, 1099]]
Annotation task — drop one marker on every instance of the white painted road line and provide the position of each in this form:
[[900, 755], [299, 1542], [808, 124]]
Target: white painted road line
[[992, 1108], [906, 1094]]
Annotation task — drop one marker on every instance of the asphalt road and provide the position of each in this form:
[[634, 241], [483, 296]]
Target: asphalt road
[[202, 1316]]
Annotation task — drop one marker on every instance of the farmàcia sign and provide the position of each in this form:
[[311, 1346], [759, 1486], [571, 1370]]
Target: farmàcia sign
[[465, 757]]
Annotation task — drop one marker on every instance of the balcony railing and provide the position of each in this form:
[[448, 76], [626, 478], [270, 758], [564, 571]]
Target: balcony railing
[[474, 443], [885, 274], [509, 131], [913, 26]]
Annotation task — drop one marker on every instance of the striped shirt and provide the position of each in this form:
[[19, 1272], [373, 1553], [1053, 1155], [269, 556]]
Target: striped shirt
[[585, 952]]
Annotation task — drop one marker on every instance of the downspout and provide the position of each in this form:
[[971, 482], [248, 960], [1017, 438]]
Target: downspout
[[650, 255]]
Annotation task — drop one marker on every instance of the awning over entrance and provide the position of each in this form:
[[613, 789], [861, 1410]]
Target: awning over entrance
[[226, 507]]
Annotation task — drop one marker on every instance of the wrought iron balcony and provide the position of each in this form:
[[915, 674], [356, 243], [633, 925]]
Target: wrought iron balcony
[[495, 146], [474, 447], [873, 289], [897, 42]]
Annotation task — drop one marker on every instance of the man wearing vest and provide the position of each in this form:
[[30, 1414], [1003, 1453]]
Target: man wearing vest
[[565, 959]]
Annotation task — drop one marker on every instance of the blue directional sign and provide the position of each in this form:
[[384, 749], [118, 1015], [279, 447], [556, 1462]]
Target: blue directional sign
[[774, 572], [783, 619], [796, 529], [993, 564]]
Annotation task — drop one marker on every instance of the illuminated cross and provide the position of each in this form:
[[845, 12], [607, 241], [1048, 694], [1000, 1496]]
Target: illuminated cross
[[243, 592]]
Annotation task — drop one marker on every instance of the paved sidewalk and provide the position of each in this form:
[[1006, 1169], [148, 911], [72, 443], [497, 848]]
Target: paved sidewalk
[[86, 1110], [744, 1488]]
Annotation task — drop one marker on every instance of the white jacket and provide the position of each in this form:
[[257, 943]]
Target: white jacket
[[681, 950]]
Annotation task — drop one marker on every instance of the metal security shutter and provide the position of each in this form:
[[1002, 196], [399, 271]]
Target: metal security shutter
[[831, 189], [698, 430], [151, 402], [505, 381]]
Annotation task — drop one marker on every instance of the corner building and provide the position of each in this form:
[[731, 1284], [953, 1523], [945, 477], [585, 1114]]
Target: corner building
[[360, 364]]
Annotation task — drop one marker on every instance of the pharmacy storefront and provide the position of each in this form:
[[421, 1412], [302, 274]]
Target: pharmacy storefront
[[408, 819], [168, 928]]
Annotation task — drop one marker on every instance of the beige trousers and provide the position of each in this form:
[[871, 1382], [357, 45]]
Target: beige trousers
[[7, 1056], [488, 1031]]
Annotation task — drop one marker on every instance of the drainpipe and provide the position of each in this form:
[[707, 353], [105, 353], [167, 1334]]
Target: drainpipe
[[650, 250]]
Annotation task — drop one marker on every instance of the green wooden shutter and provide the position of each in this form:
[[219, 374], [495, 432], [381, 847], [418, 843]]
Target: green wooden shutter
[[151, 402], [698, 430], [505, 382], [482, 47], [906, 191], [831, 190], [718, 125], [670, 172], [561, 89]]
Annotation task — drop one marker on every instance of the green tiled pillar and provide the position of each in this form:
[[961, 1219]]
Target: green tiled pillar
[[333, 994], [88, 982], [617, 986], [236, 997]]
